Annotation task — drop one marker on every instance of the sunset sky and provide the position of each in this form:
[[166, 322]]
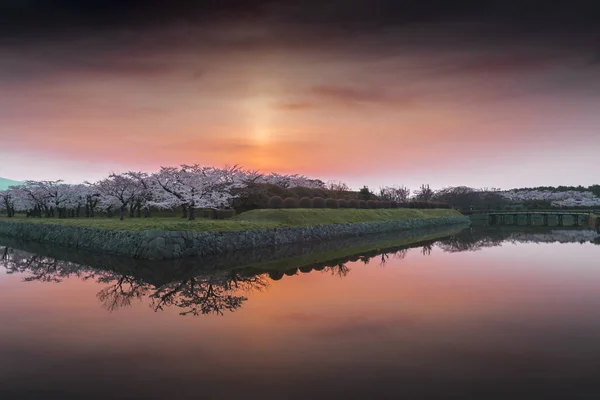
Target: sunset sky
[[369, 92]]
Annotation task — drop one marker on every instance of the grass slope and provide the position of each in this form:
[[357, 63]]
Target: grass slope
[[305, 216], [255, 219]]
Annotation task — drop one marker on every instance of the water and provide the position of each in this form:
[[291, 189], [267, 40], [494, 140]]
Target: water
[[485, 313]]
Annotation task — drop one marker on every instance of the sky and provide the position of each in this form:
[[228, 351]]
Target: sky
[[484, 94]]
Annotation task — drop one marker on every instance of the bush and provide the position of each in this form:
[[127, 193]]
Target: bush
[[386, 204], [378, 204], [275, 275], [290, 202], [353, 203], [318, 202], [275, 202], [332, 203], [344, 203], [305, 202], [275, 190], [308, 192], [371, 204], [424, 204], [363, 204], [393, 204], [223, 214]]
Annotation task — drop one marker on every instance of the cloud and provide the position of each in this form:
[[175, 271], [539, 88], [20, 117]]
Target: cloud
[[294, 106], [357, 95]]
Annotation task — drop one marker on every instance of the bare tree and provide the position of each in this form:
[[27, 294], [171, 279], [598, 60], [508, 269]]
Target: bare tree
[[399, 194], [424, 193]]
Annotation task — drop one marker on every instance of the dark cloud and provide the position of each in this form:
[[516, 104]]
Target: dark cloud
[[51, 16], [155, 38], [20, 16]]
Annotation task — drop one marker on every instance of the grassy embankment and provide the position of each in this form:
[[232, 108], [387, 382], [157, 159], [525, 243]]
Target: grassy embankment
[[255, 219]]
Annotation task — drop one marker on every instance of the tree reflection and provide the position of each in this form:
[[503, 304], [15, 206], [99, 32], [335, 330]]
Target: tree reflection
[[195, 295], [122, 293], [475, 239], [196, 289], [207, 295]]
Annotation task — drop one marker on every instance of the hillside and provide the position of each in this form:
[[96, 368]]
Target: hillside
[[5, 183]]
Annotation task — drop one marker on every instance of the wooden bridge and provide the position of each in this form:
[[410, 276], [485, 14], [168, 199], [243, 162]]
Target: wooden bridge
[[512, 217]]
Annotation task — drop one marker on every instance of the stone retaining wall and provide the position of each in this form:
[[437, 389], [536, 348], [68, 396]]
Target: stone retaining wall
[[156, 245]]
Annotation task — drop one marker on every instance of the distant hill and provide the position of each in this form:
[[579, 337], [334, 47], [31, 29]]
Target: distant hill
[[5, 183]]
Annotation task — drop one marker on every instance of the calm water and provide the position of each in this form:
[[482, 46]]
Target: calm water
[[485, 313]]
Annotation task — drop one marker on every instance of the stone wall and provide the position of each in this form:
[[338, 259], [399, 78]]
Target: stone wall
[[156, 245]]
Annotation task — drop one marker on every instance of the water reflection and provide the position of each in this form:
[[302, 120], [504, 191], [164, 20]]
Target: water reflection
[[219, 285]]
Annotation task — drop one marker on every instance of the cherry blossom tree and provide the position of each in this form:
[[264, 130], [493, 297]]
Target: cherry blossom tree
[[118, 190], [7, 202], [570, 198], [142, 200], [195, 186]]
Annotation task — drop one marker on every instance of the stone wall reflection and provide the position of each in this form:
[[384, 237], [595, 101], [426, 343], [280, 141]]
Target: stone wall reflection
[[214, 287]]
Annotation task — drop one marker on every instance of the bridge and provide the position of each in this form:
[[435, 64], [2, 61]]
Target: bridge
[[508, 217]]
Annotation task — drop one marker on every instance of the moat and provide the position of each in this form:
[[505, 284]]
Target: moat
[[487, 312]]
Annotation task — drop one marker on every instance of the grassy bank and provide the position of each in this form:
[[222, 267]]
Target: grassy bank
[[256, 219]]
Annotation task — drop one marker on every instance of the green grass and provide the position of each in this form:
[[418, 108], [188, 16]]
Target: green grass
[[255, 219], [303, 216]]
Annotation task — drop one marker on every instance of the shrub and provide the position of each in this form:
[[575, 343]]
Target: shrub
[[378, 204], [275, 202], [386, 204], [353, 203], [275, 275], [393, 204], [371, 204], [363, 204], [290, 202], [439, 204], [364, 193], [223, 214], [275, 190], [332, 203], [344, 203], [318, 202], [308, 192], [305, 202]]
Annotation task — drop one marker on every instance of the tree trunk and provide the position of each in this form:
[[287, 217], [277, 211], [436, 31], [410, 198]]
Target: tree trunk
[[192, 213], [147, 212], [138, 211], [122, 213], [131, 209], [184, 210]]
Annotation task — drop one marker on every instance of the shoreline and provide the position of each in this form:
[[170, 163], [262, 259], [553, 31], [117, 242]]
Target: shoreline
[[252, 261], [162, 244]]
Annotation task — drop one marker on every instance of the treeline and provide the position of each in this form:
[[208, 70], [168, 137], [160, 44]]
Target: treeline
[[319, 202], [595, 189]]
